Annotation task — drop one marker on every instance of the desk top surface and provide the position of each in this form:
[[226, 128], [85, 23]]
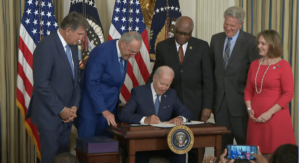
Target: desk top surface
[[128, 132]]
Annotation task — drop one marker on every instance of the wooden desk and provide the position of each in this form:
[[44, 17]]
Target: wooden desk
[[113, 157], [149, 138]]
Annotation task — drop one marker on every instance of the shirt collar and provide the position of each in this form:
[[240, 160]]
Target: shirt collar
[[177, 45], [235, 36], [64, 43], [118, 49], [152, 90]]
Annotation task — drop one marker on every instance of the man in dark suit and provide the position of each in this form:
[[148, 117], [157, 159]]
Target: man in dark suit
[[104, 76], [56, 93], [153, 103], [231, 53], [189, 58]]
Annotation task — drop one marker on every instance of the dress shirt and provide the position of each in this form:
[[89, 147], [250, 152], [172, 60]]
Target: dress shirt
[[232, 43], [119, 53], [184, 46]]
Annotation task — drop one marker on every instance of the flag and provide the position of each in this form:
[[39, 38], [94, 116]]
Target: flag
[[127, 16], [38, 21], [94, 35], [163, 22]]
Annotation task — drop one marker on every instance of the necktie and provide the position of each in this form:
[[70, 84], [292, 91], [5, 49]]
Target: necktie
[[180, 54], [156, 105], [121, 66], [227, 52], [70, 59]]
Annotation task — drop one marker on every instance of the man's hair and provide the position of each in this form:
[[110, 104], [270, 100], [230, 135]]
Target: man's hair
[[274, 40], [65, 158], [74, 20], [166, 70], [235, 12], [285, 153], [129, 36]]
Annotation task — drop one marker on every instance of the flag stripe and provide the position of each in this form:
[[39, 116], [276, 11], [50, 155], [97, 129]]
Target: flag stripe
[[125, 93], [26, 82], [27, 55]]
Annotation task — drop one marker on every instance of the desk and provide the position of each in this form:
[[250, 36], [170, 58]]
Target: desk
[[149, 138]]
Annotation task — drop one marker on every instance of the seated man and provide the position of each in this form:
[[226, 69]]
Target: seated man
[[153, 103]]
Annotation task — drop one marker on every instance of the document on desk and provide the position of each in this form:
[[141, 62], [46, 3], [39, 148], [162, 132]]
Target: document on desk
[[170, 125], [164, 125], [193, 123]]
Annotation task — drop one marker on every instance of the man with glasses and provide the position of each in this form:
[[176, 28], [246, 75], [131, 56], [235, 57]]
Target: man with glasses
[[189, 58], [104, 76]]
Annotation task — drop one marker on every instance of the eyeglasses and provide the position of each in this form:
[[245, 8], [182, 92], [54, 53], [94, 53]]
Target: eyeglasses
[[184, 34], [132, 52]]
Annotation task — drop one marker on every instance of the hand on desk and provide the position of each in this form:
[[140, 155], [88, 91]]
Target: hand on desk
[[68, 114], [109, 117], [153, 119], [205, 114], [177, 121]]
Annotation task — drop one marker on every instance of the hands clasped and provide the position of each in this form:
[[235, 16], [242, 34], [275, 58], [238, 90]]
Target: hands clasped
[[262, 118], [68, 114]]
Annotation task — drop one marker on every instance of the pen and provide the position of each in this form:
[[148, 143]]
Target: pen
[[151, 112]]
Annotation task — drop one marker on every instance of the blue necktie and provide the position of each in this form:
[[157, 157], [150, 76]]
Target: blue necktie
[[156, 105], [70, 59], [227, 52], [121, 66]]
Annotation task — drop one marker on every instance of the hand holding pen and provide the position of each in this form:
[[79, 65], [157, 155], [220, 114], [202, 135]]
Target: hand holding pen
[[153, 119]]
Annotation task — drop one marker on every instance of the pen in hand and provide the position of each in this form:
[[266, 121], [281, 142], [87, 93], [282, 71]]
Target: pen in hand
[[153, 118]]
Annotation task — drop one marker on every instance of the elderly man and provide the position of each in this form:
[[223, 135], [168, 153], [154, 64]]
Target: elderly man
[[231, 53], [56, 92], [193, 81], [104, 76], [153, 103]]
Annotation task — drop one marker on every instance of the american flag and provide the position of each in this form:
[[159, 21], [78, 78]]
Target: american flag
[[38, 21], [128, 16], [163, 23]]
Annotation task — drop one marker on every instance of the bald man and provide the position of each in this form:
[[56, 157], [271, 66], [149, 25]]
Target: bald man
[[189, 58]]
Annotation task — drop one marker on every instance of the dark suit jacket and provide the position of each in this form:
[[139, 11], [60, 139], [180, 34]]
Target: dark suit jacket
[[141, 104], [193, 79], [232, 81], [54, 87]]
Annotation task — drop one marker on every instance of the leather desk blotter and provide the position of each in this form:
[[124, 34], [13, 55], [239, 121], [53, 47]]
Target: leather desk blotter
[[97, 144]]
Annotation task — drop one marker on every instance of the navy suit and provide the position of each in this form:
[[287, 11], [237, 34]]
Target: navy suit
[[141, 104], [54, 88], [101, 88]]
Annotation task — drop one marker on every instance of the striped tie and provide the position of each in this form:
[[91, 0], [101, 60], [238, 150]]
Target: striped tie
[[121, 66], [227, 52]]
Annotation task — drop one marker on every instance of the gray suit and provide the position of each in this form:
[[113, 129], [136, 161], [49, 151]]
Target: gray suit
[[229, 106]]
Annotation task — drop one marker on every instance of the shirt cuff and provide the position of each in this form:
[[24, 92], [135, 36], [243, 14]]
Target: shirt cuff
[[63, 109], [183, 119], [143, 120]]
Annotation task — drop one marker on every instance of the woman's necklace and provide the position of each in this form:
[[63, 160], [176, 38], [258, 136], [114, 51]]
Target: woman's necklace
[[263, 75]]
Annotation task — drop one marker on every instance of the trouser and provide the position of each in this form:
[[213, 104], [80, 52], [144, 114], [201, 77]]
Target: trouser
[[236, 124], [54, 142]]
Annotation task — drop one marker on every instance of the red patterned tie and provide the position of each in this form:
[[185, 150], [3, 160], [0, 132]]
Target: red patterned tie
[[180, 54]]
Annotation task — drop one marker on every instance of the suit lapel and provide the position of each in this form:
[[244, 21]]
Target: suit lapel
[[163, 104], [173, 51], [237, 46], [188, 53], [148, 95], [62, 53]]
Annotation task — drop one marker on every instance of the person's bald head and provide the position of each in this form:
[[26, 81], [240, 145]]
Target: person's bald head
[[162, 79], [183, 29]]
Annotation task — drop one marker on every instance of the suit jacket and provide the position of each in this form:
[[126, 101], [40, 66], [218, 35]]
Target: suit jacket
[[232, 80], [141, 104], [102, 81], [54, 87], [193, 79]]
